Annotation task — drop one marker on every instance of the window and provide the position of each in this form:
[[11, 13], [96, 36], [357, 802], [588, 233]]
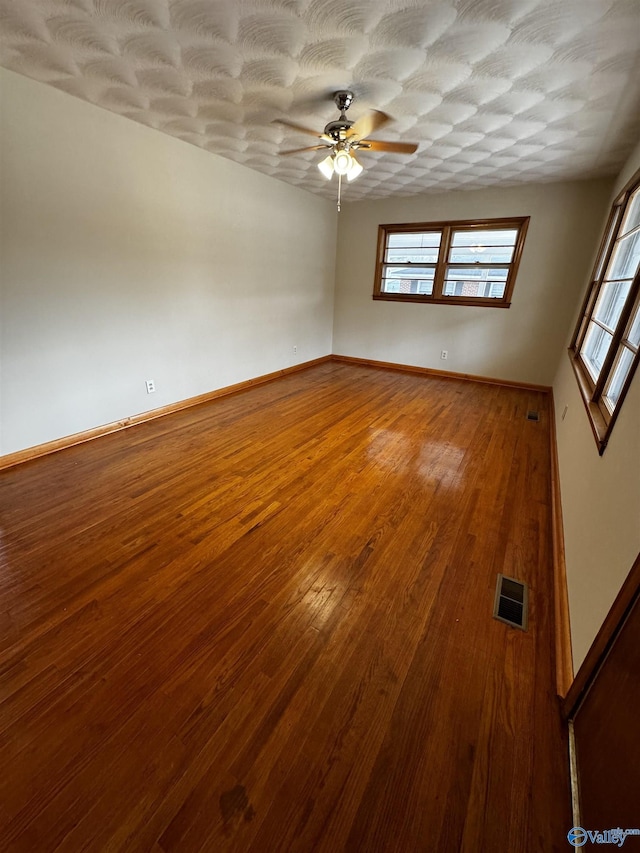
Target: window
[[461, 263], [606, 342]]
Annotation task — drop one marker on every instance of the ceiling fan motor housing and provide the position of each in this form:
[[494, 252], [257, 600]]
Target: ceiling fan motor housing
[[337, 129]]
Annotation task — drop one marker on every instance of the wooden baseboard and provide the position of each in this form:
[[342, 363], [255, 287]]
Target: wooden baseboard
[[29, 453], [562, 624], [440, 374]]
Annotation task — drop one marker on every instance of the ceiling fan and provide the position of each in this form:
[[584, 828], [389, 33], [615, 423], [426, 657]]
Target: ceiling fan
[[344, 137]]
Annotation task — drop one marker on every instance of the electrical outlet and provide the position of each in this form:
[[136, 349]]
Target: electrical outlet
[[444, 354], [295, 349], [151, 386], [564, 414]]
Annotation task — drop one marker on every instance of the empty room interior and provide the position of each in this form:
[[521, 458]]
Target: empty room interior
[[319, 428]]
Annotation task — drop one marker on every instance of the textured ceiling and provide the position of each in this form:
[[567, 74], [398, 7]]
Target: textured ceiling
[[495, 91]]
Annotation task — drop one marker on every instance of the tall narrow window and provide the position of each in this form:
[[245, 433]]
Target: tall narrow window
[[606, 343], [463, 263]]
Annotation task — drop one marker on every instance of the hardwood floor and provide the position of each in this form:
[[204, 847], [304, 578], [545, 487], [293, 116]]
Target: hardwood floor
[[264, 624]]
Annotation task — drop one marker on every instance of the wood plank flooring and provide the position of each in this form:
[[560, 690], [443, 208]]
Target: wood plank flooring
[[264, 624]]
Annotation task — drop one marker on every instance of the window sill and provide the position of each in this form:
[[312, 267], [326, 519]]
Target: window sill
[[599, 425], [485, 302]]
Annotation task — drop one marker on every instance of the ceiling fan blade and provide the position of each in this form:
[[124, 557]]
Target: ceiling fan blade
[[308, 148], [393, 147], [368, 124], [299, 127]]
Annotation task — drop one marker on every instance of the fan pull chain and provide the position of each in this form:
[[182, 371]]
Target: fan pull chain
[[339, 190]]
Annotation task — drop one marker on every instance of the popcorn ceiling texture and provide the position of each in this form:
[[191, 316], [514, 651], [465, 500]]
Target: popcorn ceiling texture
[[495, 91]]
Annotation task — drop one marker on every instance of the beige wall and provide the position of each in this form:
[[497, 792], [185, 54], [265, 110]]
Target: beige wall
[[600, 495], [521, 343], [127, 254]]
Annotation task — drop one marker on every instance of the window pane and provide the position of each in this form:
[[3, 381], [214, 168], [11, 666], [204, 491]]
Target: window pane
[[472, 289], [625, 258], [408, 280], [482, 239], [483, 272], [481, 254], [594, 349], [476, 281], [486, 247], [611, 302], [414, 239], [615, 219], [413, 254], [634, 332], [633, 213], [620, 373]]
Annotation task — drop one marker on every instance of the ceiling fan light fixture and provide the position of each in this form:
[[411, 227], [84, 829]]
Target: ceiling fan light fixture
[[342, 161], [354, 170], [326, 167], [343, 137]]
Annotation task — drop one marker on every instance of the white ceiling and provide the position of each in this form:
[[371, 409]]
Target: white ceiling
[[495, 91]]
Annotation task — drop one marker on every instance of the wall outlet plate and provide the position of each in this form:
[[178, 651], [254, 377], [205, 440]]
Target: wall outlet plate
[[151, 386]]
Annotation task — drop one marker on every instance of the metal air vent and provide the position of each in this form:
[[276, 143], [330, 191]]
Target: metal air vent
[[511, 602]]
